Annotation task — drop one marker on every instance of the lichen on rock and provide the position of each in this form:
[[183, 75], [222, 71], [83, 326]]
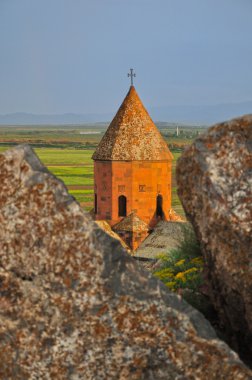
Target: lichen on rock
[[75, 305], [215, 186]]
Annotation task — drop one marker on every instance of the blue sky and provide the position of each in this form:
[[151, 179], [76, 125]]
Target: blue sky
[[62, 56]]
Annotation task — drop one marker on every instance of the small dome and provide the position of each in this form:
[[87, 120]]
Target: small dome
[[131, 223], [132, 135]]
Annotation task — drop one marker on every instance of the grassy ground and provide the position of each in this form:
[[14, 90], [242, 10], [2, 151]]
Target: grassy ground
[[74, 168]]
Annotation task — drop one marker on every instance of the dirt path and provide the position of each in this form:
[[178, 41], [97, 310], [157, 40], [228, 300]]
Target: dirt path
[[80, 187], [70, 166], [86, 204]]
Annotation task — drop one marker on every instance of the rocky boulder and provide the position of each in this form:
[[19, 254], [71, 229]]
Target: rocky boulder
[[215, 186], [74, 305]]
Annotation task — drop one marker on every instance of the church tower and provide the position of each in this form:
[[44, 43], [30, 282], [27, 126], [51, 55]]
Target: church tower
[[132, 173]]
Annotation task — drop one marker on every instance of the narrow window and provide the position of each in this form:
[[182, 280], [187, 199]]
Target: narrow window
[[159, 208], [95, 204], [122, 206]]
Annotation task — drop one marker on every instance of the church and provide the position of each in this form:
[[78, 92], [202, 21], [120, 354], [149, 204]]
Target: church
[[132, 173]]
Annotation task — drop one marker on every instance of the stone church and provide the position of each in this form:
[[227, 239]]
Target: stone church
[[132, 173]]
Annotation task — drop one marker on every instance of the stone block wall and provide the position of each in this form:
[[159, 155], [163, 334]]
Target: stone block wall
[[140, 181], [133, 238]]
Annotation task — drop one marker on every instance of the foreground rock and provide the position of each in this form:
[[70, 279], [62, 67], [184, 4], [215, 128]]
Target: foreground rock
[[215, 186], [75, 306]]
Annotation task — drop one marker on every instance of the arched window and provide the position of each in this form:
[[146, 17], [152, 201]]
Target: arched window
[[159, 207], [95, 204], [122, 206]]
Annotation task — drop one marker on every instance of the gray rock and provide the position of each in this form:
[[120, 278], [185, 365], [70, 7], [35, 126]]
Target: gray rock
[[215, 186], [74, 305]]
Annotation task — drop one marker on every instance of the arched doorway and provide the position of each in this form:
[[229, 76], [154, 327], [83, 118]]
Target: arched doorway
[[122, 206], [159, 206]]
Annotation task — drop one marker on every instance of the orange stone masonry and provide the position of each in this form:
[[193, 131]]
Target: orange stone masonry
[[132, 160], [140, 181]]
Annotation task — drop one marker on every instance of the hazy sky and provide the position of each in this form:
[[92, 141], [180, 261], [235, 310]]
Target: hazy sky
[[62, 56]]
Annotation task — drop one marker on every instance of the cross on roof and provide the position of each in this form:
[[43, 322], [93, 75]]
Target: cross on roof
[[131, 75]]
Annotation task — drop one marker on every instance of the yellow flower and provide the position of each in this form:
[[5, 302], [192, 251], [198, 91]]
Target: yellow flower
[[180, 262], [180, 276], [162, 256], [191, 270], [197, 260], [164, 273], [170, 284]]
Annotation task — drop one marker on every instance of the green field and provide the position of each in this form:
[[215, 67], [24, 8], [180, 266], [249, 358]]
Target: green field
[[74, 157], [72, 175], [74, 168]]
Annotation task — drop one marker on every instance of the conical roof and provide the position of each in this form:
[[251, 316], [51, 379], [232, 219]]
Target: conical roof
[[132, 223], [132, 135]]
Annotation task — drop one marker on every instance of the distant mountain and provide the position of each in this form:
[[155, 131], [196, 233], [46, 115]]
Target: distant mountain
[[21, 118], [208, 114]]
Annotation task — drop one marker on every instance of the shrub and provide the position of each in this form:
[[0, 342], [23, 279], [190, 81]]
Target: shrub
[[181, 267]]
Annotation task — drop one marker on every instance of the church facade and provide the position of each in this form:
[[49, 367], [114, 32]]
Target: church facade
[[132, 173]]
